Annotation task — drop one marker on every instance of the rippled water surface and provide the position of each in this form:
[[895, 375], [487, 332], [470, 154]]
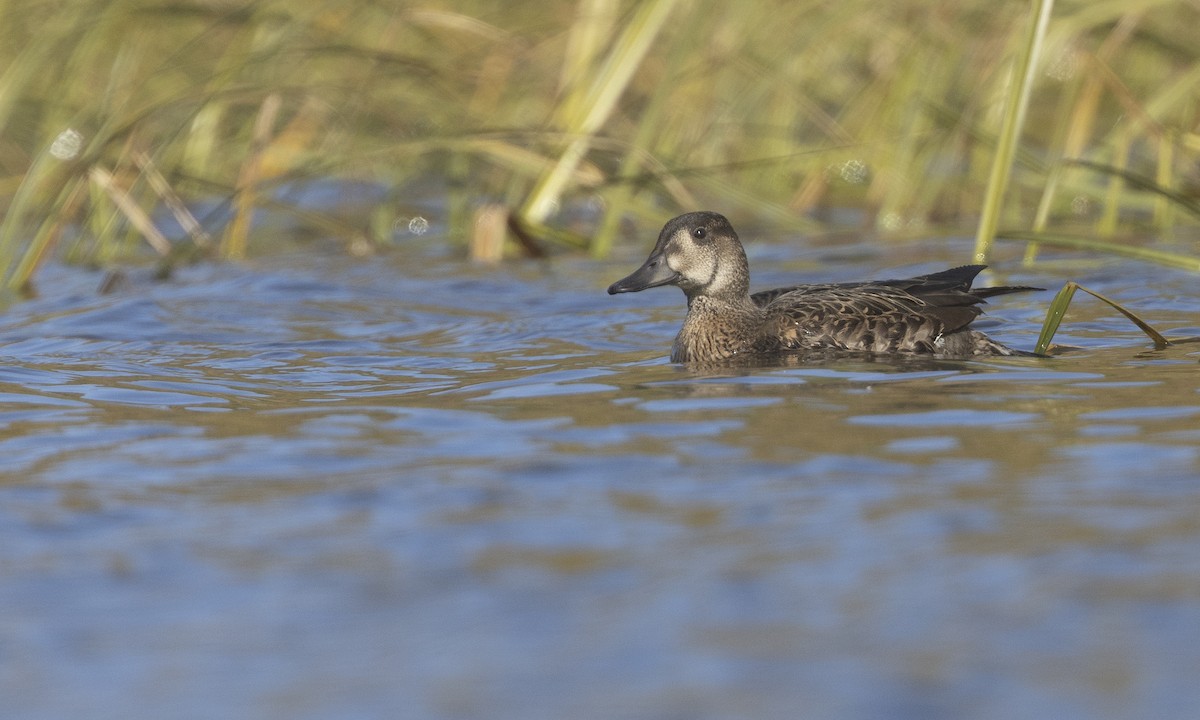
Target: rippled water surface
[[408, 487]]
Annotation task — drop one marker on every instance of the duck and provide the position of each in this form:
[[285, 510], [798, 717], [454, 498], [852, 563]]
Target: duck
[[700, 253]]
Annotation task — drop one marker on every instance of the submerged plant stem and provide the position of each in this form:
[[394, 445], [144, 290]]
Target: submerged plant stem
[[130, 209]]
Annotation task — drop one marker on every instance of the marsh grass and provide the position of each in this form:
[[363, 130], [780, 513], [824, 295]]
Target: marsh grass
[[119, 118]]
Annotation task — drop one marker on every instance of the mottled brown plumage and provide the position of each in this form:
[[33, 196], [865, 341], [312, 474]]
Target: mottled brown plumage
[[700, 253]]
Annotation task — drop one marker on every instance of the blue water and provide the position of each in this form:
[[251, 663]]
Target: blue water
[[412, 487]]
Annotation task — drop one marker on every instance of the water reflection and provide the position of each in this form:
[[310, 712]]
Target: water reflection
[[335, 488]]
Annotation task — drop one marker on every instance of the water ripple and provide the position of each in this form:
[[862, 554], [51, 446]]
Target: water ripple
[[267, 480]]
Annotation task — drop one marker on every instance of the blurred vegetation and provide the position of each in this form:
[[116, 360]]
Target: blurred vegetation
[[166, 126]]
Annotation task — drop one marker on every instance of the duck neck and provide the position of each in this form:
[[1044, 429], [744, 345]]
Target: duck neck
[[716, 328], [726, 302]]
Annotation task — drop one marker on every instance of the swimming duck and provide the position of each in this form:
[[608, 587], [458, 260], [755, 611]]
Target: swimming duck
[[700, 253]]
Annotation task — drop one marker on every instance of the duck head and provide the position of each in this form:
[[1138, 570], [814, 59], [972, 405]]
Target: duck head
[[698, 252]]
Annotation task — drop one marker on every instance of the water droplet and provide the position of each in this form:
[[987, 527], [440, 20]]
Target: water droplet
[[67, 145], [853, 172], [418, 225], [1064, 66]]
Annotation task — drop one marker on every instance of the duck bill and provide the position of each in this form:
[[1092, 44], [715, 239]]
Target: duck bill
[[652, 273]]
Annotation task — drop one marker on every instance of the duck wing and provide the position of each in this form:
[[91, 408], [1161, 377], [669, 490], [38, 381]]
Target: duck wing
[[938, 288], [866, 317], [908, 315], [954, 280]]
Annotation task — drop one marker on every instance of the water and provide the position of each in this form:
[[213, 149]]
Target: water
[[408, 487]]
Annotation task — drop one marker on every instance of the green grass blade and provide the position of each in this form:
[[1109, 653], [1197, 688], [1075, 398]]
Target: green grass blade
[[1141, 182], [44, 238], [1014, 117], [1058, 309], [1159, 257], [1054, 316], [1160, 342]]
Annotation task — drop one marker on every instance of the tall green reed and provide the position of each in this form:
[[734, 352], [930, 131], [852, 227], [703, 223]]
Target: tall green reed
[[1016, 103]]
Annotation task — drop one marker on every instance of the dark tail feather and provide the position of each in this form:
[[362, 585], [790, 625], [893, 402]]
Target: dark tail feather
[[962, 274], [988, 292], [962, 277], [958, 278]]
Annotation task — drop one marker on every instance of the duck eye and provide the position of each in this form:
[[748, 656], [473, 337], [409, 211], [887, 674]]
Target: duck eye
[[699, 233]]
